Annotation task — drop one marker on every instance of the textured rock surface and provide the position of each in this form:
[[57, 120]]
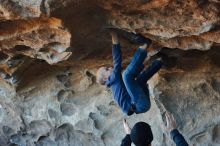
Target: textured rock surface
[[60, 104], [190, 89], [39, 38], [85, 117], [172, 23], [68, 107]]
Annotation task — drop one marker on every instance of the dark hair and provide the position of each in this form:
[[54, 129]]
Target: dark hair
[[141, 134]]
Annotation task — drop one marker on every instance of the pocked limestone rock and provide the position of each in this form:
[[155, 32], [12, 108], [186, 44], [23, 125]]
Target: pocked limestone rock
[[38, 38], [172, 23], [187, 86]]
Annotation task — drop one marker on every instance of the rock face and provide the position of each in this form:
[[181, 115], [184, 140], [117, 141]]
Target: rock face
[[39, 38], [190, 89], [47, 101], [88, 116], [186, 25], [27, 32], [67, 107]]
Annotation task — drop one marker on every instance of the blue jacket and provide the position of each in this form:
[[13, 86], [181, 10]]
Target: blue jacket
[[116, 83], [175, 135]]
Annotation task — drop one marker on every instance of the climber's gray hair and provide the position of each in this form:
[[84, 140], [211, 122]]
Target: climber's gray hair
[[100, 76]]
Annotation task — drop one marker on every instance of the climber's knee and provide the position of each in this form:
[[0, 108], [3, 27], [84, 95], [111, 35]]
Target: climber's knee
[[142, 107]]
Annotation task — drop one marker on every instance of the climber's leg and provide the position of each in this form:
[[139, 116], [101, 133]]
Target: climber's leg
[[142, 82], [149, 72], [136, 64], [140, 100]]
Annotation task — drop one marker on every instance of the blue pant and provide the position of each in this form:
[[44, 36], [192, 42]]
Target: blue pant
[[135, 80]]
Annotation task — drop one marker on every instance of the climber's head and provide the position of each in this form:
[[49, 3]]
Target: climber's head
[[141, 134], [103, 74]]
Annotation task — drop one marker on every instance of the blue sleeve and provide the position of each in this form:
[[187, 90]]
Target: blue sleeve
[[178, 138], [116, 54], [126, 141]]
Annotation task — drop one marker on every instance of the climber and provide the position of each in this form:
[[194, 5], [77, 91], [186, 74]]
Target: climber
[[141, 134], [130, 90]]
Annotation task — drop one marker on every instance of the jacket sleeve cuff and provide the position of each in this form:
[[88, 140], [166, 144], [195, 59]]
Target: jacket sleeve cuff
[[116, 45], [128, 138], [173, 133], [126, 141]]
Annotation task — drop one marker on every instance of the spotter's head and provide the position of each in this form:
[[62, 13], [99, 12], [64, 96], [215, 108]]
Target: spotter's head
[[103, 74], [141, 134]]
